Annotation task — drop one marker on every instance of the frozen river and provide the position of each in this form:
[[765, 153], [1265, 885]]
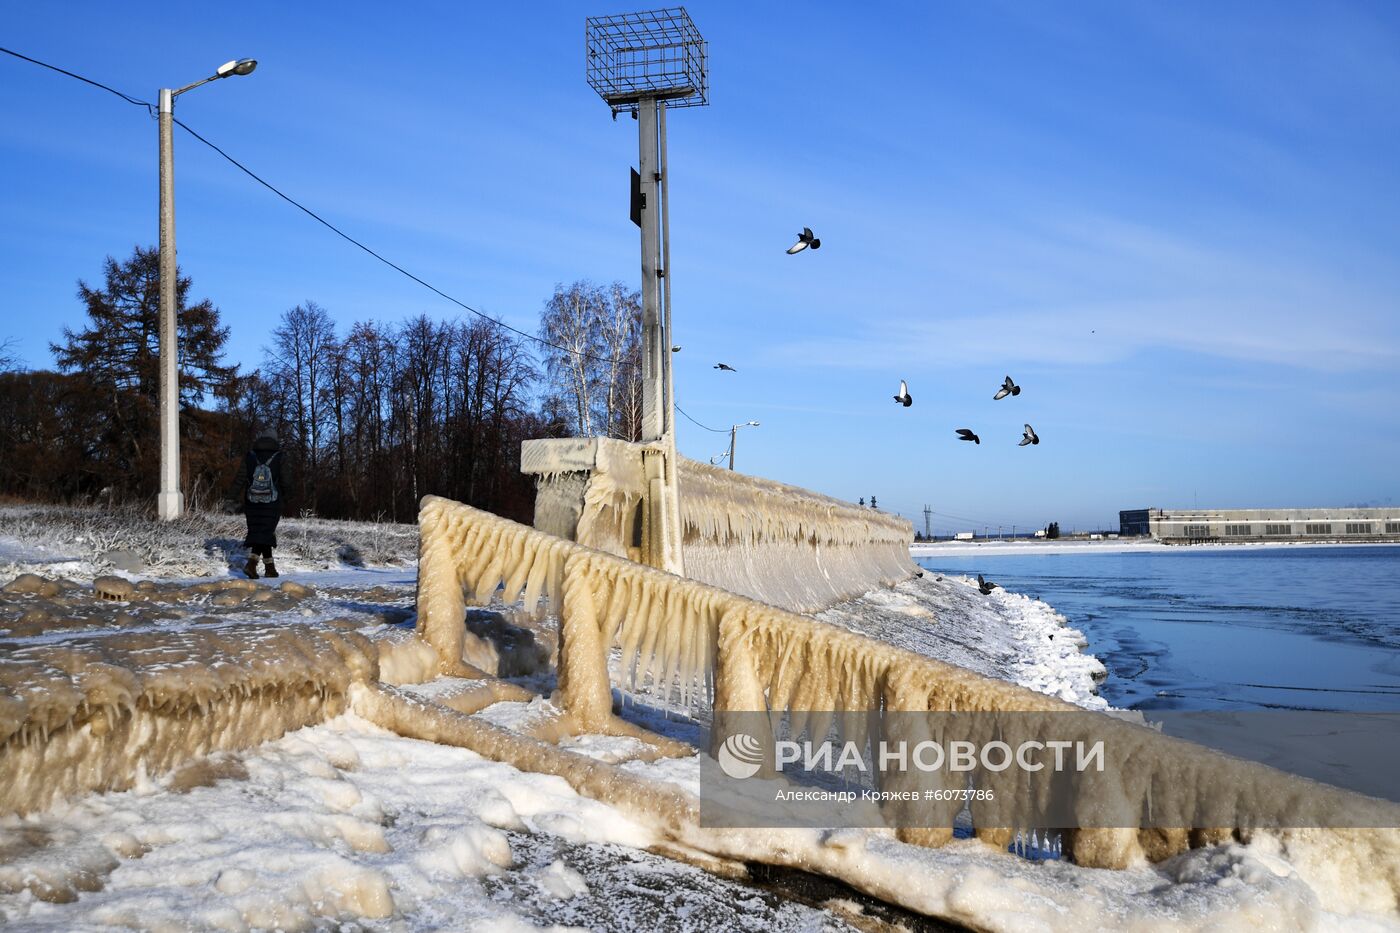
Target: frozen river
[[1213, 628]]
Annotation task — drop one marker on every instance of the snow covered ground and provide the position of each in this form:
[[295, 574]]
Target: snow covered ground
[[347, 824], [80, 543], [1003, 635], [344, 825]]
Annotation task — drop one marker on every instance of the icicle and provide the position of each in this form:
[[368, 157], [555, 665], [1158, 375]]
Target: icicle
[[556, 576], [521, 552], [668, 653], [619, 600], [635, 629], [535, 579]]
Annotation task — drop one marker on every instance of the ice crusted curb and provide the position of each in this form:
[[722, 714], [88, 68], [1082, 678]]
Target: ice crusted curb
[[86, 542], [1004, 635]]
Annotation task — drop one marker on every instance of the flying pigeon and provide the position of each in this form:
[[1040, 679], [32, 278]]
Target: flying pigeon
[[1007, 388], [804, 240], [675, 349], [965, 434], [1029, 437], [985, 586], [904, 398], [726, 367]]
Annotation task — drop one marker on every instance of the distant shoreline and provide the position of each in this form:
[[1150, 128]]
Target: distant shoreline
[[1122, 545]]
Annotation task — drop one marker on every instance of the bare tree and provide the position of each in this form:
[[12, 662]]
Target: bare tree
[[619, 336], [300, 363], [596, 335], [9, 359], [570, 322]]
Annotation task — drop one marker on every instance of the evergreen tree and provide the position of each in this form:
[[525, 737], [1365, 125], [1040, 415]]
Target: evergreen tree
[[116, 358]]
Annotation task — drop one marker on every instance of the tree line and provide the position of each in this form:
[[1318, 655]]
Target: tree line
[[371, 416]]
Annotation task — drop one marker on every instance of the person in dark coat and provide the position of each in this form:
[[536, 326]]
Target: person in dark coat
[[261, 481]]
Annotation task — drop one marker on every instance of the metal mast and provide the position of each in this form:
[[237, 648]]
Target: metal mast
[[643, 64]]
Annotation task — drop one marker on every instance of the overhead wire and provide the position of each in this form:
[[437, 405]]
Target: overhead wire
[[699, 425], [150, 109], [317, 217]]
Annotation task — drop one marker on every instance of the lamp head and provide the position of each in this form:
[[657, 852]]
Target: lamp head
[[239, 66], [753, 424]]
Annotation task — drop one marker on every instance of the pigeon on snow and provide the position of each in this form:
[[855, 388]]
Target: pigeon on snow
[[726, 367], [904, 398], [985, 586], [804, 240], [965, 434], [1029, 436], [1007, 388]]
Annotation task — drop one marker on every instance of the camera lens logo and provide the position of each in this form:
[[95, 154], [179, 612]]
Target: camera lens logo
[[740, 756]]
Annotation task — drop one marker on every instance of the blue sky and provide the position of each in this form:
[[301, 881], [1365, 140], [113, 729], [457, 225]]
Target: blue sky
[[1176, 225]]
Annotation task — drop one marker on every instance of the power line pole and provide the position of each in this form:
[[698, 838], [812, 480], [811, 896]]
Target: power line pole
[[170, 502], [928, 533], [170, 499]]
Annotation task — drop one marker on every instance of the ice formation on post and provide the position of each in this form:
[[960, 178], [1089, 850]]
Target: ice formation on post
[[468, 554]]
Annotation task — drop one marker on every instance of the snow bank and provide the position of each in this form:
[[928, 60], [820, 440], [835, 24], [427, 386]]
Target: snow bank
[[346, 825], [989, 547], [1003, 635]]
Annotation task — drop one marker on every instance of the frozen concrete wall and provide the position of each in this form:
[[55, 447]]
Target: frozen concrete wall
[[784, 545], [781, 544]]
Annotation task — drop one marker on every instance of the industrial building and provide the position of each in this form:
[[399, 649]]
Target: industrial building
[[1192, 526]]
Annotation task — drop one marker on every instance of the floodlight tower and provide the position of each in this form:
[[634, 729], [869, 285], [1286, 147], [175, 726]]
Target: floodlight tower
[[643, 64]]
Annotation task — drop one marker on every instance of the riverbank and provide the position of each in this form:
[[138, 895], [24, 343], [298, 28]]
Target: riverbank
[[1001, 634], [1114, 546]]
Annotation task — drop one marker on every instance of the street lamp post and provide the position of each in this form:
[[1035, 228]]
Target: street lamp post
[[733, 431], [170, 502]]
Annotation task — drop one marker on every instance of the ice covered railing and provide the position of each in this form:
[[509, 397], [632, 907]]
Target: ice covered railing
[[624, 624]]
